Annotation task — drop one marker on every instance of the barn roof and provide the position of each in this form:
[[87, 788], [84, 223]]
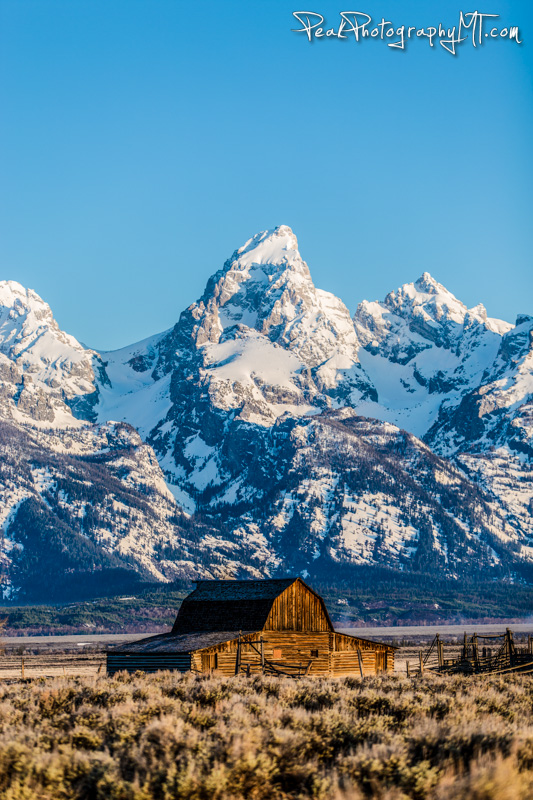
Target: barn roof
[[267, 589], [191, 642], [238, 605], [173, 643]]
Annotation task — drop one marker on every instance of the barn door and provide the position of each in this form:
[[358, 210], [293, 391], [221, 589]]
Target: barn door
[[209, 662]]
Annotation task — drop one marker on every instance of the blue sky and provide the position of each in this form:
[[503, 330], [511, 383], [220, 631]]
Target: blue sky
[[142, 141]]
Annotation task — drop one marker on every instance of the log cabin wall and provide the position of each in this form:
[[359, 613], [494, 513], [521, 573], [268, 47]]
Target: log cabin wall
[[298, 609], [384, 661], [330, 653], [346, 663], [279, 647]]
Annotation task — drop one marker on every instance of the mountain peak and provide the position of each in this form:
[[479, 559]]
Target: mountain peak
[[267, 269], [11, 291], [12, 286], [276, 246], [427, 283], [51, 366], [261, 328]]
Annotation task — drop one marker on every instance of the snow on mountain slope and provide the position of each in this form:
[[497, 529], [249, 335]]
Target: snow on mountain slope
[[264, 340], [129, 392], [338, 488], [499, 411], [423, 350], [90, 504], [275, 419], [44, 372]]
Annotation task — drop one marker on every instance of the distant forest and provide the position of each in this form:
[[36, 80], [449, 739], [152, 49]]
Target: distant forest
[[359, 596]]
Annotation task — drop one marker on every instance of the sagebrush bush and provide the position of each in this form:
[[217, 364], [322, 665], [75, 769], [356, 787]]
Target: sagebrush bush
[[174, 737]]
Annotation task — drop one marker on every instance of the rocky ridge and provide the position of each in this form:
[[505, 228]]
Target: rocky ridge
[[293, 436]]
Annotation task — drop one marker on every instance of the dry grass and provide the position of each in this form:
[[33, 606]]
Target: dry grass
[[172, 737]]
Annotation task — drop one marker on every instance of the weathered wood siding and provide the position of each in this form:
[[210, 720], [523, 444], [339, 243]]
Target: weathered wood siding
[[298, 648], [347, 663], [384, 660], [298, 609], [280, 647], [330, 653]]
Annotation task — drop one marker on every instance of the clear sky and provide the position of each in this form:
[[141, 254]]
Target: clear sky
[[142, 141]]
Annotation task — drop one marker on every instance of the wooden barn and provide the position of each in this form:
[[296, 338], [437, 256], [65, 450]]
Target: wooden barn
[[270, 626]]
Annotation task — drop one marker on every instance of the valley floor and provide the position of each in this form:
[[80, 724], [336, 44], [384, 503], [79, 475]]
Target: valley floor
[[173, 737], [84, 655]]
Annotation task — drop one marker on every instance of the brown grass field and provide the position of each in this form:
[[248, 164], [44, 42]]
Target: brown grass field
[[174, 737]]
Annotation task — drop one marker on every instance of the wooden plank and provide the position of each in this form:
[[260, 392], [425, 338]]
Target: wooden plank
[[347, 663], [297, 609]]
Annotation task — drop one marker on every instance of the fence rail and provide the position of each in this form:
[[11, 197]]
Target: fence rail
[[476, 657]]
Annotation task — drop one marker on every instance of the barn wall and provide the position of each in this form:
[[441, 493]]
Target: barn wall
[[350, 644], [329, 653], [297, 609], [296, 648], [299, 648], [347, 663]]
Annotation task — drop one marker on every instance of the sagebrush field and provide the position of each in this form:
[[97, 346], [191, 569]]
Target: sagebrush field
[[166, 736]]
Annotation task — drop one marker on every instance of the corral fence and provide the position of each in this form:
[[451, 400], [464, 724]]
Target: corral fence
[[490, 654]]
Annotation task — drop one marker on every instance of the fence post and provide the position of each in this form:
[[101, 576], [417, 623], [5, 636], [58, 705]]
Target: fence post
[[238, 658], [421, 660], [22, 666], [511, 646], [360, 659]]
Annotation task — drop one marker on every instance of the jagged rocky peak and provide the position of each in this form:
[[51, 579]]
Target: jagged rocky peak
[[272, 247], [263, 339], [266, 271], [429, 306], [427, 314], [48, 366], [430, 302], [22, 310], [266, 287], [25, 318]]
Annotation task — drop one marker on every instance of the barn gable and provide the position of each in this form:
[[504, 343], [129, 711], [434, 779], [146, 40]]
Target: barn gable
[[298, 608], [277, 604]]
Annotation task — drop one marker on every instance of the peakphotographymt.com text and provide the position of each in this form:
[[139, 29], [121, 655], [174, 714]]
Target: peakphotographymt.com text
[[472, 26]]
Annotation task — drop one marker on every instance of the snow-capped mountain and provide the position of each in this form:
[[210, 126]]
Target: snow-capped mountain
[[423, 349], [84, 508], [46, 374], [300, 437]]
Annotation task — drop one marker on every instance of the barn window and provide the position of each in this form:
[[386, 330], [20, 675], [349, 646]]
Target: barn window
[[277, 652], [314, 653]]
